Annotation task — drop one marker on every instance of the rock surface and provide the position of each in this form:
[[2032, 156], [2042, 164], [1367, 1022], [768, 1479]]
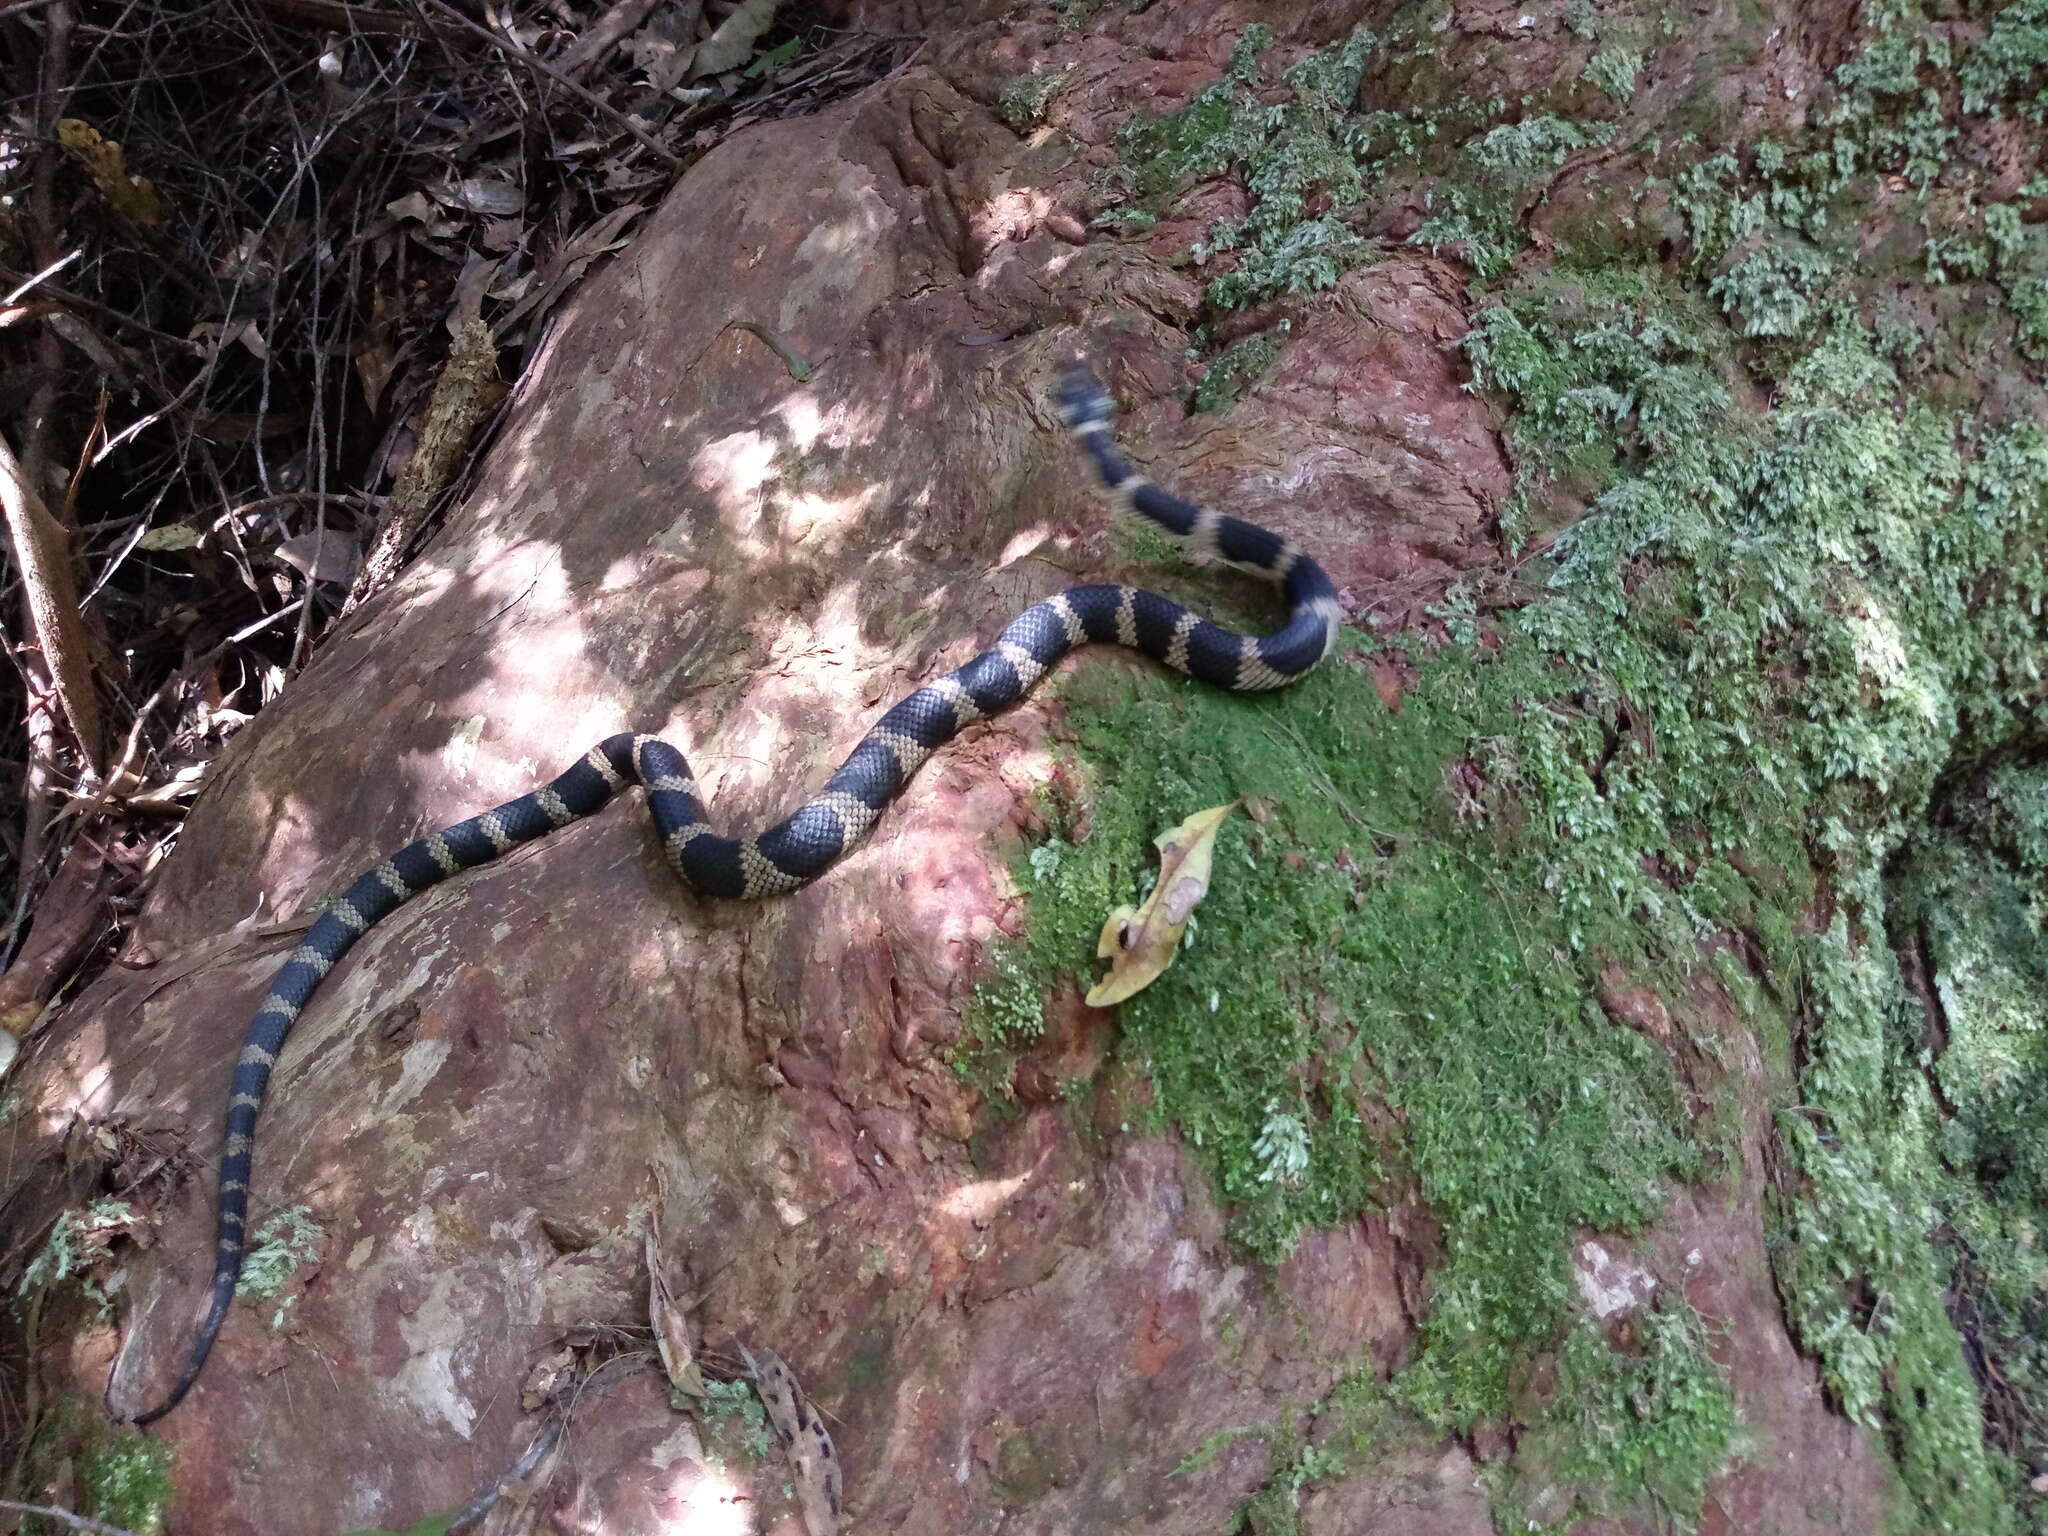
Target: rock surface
[[1009, 1325]]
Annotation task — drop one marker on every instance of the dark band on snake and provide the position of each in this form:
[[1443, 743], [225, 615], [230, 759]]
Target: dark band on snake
[[797, 850]]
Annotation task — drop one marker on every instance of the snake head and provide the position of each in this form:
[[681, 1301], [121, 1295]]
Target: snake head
[[1081, 397]]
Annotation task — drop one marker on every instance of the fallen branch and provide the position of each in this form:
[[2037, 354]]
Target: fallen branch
[[606, 33], [42, 553], [542, 66], [368, 20], [76, 1522]]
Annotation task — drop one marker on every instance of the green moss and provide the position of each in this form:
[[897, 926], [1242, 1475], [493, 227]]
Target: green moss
[[77, 1249], [433, 1525], [1356, 940], [1272, 1509], [1771, 651], [1757, 654], [1302, 161], [1647, 1423], [122, 1476], [869, 1362], [128, 1479], [1875, 565], [1309, 155], [731, 1411], [1966, 903], [1771, 291], [1024, 1472], [1215, 1445]]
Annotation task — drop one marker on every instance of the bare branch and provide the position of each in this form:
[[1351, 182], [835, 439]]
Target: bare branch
[[76, 1522], [542, 66], [605, 34], [42, 553]]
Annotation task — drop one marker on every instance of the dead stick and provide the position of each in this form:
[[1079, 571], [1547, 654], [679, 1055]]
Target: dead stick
[[41, 544], [603, 35], [76, 1522], [542, 66], [42, 553], [350, 18]]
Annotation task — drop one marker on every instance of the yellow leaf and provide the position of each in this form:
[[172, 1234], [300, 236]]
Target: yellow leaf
[[1139, 944], [133, 196]]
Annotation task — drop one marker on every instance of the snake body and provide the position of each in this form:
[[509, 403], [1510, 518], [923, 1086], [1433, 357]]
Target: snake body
[[797, 850]]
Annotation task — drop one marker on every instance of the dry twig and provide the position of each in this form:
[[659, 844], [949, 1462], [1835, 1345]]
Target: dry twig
[[42, 553], [76, 1522], [607, 32], [541, 66]]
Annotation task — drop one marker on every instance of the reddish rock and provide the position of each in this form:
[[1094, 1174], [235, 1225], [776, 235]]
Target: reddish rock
[[1027, 1323]]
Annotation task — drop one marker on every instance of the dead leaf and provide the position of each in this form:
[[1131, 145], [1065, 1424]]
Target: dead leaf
[[375, 358], [415, 208], [171, 536], [413, 205], [323, 554], [671, 1321], [466, 303], [732, 44], [502, 235], [562, 269], [482, 194], [1140, 943], [805, 1442], [132, 196], [659, 59]]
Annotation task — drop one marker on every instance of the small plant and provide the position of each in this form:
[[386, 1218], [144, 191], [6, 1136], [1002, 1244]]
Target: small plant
[[127, 1480], [277, 1249], [1477, 207], [78, 1241], [1772, 290], [1614, 71], [2010, 66], [735, 1405], [1282, 1147], [1237, 370], [1023, 103]]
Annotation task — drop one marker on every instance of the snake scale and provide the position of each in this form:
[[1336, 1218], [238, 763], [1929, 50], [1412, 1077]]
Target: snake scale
[[797, 850]]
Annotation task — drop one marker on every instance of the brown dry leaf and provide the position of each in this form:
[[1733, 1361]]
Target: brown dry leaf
[[732, 44], [502, 235], [562, 269], [375, 359], [1139, 943], [133, 196], [671, 1322], [413, 205], [805, 1442]]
